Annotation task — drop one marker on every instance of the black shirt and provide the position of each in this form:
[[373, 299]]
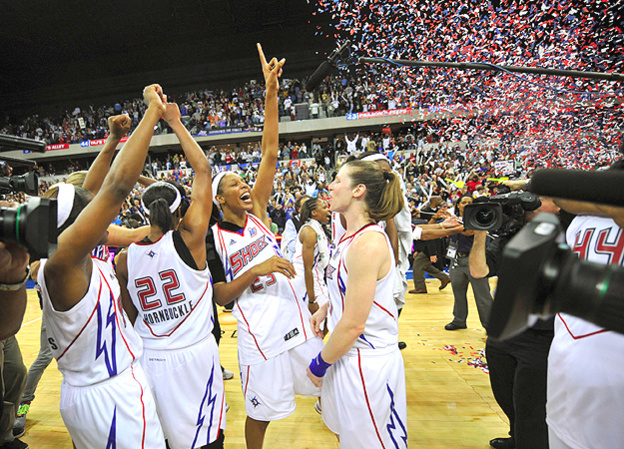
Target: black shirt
[[493, 256]]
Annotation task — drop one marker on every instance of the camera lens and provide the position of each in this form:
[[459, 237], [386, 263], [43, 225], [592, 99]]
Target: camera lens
[[485, 217], [10, 225]]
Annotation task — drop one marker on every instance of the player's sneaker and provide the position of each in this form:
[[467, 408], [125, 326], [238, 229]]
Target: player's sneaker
[[227, 374], [317, 407], [20, 420]]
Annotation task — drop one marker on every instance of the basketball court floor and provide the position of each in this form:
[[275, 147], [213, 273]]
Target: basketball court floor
[[449, 400]]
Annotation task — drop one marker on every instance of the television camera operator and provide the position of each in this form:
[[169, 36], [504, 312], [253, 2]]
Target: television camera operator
[[585, 363], [517, 366]]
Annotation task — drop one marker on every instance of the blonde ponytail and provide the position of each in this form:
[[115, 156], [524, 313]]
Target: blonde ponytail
[[383, 198]]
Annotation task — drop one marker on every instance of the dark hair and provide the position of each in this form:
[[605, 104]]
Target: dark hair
[[82, 198], [383, 197], [465, 195], [185, 200], [300, 200], [157, 199], [308, 207]]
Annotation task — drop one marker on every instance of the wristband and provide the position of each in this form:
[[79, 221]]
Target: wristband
[[15, 287], [318, 366]]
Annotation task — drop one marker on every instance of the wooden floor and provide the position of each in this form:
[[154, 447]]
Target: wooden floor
[[449, 400]]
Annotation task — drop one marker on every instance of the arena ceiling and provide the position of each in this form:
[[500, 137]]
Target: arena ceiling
[[47, 44]]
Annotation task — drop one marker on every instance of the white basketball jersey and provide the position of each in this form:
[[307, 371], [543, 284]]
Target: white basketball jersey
[[94, 340], [382, 328], [338, 229], [585, 364], [321, 259], [272, 316], [174, 301]]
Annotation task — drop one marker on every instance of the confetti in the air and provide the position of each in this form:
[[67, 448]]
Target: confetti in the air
[[550, 121]]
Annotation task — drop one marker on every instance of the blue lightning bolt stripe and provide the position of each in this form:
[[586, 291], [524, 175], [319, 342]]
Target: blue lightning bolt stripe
[[342, 285], [366, 341], [112, 433], [212, 399], [392, 426], [101, 348]]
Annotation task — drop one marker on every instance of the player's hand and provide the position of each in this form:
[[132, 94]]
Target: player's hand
[[433, 259], [119, 125], [154, 97], [317, 319], [13, 262], [272, 70], [318, 381], [452, 222], [172, 113], [276, 264]]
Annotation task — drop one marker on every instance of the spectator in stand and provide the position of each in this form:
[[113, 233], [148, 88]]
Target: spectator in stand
[[278, 216]]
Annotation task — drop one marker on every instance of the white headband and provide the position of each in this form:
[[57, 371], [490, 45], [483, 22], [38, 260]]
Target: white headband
[[376, 157], [64, 202], [215, 184], [176, 203]]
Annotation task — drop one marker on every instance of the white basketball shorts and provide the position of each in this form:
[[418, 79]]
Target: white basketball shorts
[[363, 399], [190, 397], [119, 412], [269, 387]]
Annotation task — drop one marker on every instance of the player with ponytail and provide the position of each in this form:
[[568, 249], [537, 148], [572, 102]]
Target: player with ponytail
[[361, 367]]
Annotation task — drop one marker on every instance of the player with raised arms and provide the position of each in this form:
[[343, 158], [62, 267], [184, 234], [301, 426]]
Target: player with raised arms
[[105, 398], [274, 334], [361, 369], [167, 292]]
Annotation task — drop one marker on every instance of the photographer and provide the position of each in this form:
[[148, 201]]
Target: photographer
[[518, 365], [458, 251]]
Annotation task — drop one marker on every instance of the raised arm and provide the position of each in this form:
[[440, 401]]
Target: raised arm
[[119, 125], [68, 270], [587, 208], [194, 226], [261, 191]]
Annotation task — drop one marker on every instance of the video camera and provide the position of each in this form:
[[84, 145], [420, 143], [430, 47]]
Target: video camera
[[538, 276], [502, 214], [33, 224], [28, 183]]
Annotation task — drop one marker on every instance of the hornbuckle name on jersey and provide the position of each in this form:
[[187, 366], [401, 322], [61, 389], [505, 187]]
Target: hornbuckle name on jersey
[[243, 256]]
